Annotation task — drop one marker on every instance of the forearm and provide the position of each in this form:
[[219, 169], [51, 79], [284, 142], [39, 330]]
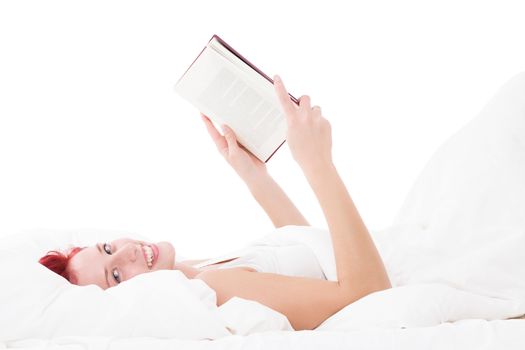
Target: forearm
[[357, 259], [279, 208]]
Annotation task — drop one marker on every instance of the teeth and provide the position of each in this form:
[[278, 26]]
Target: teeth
[[149, 254]]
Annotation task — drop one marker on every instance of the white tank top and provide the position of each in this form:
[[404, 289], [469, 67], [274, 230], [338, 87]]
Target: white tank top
[[296, 260]]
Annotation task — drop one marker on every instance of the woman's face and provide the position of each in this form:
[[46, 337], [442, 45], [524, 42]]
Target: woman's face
[[107, 264]]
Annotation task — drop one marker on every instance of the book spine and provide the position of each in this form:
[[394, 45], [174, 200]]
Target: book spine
[[266, 161], [182, 76]]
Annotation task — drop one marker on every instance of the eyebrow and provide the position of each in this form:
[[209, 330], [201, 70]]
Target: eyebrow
[[105, 269]]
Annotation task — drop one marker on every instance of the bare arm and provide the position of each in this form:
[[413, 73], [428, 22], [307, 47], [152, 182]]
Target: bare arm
[[306, 302], [277, 205], [357, 258], [309, 138]]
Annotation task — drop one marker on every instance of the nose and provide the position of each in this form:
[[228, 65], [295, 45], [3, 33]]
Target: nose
[[129, 252]]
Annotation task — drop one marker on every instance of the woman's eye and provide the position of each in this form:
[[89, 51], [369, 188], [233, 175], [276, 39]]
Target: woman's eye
[[106, 245], [116, 275]]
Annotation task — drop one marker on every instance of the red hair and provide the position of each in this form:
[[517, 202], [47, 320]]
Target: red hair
[[58, 262]]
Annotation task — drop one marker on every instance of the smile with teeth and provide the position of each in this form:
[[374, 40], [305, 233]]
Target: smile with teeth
[[149, 254]]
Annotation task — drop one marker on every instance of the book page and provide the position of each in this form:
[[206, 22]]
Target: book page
[[262, 84], [223, 92], [253, 75]]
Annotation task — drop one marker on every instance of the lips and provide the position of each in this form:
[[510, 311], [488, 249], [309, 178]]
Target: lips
[[155, 254]]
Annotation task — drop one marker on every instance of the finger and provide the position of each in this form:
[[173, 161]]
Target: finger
[[283, 96], [316, 113], [304, 102], [205, 118], [219, 140], [230, 137], [210, 127]]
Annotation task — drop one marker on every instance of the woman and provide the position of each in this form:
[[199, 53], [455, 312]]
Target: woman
[[360, 270]]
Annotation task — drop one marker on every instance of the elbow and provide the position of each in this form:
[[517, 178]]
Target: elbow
[[381, 285], [353, 292]]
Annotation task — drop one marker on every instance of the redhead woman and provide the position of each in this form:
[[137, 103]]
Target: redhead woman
[[360, 269]]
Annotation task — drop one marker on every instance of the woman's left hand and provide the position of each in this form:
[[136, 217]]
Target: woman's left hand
[[245, 164]]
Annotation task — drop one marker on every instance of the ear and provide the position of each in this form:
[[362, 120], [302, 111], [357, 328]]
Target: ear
[[73, 277]]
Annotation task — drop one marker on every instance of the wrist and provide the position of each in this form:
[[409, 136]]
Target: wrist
[[253, 175], [323, 180], [312, 170], [260, 182]]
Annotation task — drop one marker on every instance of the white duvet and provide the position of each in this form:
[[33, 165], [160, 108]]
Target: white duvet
[[454, 253], [483, 282], [468, 334]]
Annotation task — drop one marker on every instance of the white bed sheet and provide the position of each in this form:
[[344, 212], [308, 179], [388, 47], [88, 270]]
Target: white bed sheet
[[467, 334]]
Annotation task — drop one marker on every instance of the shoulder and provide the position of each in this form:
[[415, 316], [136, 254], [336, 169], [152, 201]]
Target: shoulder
[[193, 262], [224, 281]]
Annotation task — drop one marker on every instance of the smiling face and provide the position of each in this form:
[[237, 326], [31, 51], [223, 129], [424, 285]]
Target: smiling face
[[107, 264]]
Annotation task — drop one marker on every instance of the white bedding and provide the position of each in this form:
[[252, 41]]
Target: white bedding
[[469, 334], [454, 255]]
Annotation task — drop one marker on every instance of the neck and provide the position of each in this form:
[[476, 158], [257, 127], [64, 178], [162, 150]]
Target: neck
[[188, 270]]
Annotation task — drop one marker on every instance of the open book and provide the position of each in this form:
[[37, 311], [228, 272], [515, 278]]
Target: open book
[[230, 90]]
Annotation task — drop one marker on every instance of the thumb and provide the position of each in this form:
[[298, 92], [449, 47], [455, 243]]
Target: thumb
[[284, 97], [230, 136]]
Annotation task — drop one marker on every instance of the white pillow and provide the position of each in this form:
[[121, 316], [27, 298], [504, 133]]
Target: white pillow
[[475, 180], [470, 193], [244, 317], [36, 302]]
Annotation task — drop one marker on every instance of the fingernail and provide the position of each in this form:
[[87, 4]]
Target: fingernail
[[223, 127], [277, 78]]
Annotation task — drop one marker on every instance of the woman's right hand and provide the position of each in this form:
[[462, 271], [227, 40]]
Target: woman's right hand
[[309, 134], [249, 168]]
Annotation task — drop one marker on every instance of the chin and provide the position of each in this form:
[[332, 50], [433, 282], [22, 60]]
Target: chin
[[166, 256]]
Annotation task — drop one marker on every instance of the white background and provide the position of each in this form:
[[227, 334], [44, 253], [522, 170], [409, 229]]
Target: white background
[[92, 134]]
